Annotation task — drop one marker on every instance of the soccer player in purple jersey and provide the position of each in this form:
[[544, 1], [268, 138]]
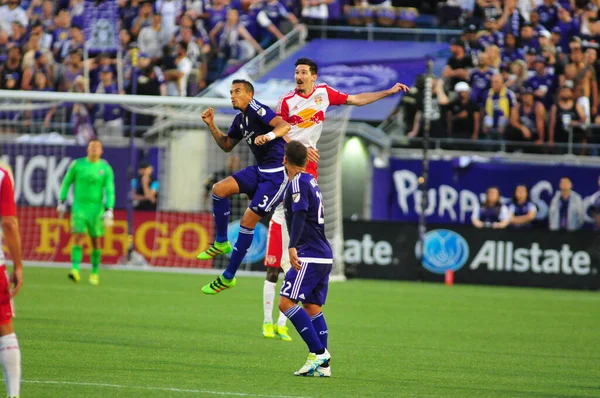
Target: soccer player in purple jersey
[[311, 259], [265, 182]]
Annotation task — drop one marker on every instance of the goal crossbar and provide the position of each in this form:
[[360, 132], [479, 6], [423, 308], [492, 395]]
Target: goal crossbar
[[123, 99]]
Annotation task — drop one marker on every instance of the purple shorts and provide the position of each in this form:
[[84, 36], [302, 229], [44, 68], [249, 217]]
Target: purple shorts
[[264, 187], [308, 285]]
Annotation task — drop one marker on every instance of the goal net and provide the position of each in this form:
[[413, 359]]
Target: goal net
[[171, 138]]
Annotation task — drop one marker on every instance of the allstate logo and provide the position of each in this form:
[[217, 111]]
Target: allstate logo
[[259, 243], [358, 78], [443, 250]]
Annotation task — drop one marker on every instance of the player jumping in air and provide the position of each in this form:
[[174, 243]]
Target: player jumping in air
[[262, 129], [304, 109], [94, 179], [311, 259], [10, 353]]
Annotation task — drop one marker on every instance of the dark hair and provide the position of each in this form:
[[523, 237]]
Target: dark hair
[[486, 203], [514, 198], [296, 153], [247, 85], [312, 66], [183, 44]]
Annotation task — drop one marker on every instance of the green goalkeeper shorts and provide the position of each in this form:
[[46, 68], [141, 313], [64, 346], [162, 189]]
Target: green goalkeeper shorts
[[87, 220]]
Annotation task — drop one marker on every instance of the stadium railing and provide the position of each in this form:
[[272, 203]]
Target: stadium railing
[[372, 33]]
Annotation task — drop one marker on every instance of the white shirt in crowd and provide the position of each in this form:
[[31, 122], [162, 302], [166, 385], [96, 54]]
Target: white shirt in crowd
[[8, 16]]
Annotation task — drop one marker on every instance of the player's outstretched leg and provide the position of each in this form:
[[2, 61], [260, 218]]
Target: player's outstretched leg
[[318, 355], [221, 244], [245, 237]]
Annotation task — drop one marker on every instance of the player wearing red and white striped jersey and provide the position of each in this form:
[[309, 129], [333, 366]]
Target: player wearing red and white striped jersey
[[304, 109], [10, 353]]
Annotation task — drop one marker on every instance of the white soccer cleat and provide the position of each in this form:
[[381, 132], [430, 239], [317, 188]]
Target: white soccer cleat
[[313, 362], [322, 372]]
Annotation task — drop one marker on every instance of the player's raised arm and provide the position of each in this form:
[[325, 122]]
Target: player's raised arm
[[368, 98], [225, 141], [280, 129], [10, 231]]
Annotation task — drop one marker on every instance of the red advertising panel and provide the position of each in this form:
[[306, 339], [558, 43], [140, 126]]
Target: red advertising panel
[[163, 238]]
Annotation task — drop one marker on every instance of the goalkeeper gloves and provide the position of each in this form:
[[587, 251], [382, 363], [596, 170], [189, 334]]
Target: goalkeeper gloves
[[109, 218], [61, 208]]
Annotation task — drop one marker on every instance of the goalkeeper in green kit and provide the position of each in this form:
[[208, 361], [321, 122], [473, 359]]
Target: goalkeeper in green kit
[[94, 179]]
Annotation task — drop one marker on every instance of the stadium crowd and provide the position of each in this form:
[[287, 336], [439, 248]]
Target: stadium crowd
[[521, 71]]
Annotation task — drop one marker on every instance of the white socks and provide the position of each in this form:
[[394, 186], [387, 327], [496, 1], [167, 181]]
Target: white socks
[[268, 299], [10, 357], [282, 319]]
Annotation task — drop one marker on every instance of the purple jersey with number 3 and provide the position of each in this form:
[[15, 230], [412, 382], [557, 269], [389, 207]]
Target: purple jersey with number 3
[[303, 194]]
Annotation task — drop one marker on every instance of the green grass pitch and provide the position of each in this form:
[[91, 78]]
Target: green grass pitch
[[142, 334]]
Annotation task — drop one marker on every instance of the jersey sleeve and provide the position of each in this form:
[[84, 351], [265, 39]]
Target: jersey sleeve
[[67, 181], [264, 113], [300, 196], [336, 97], [109, 187], [283, 109], [8, 206], [234, 131], [154, 186]]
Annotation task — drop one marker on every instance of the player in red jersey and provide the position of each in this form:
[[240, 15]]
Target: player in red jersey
[[10, 353], [304, 108]]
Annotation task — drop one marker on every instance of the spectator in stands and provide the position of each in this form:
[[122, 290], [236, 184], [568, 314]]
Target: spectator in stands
[[511, 19], [47, 16], [556, 41], [510, 51], [492, 213], [4, 44], [458, 65], [37, 29], [517, 76], [568, 78], [452, 13], [61, 33], [152, 38], [170, 11], [438, 99], [10, 72], [563, 116], [553, 66], [145, 188], [40, 84], [11, 12], [495, 36], [30, 49], [528, 119], [548, 12], [72, 68], [217, 13], [177, 80], [315, 12], [486, 9], [589, 60], [480, 80], [522, 210], [542, 83], [18, 37], [40, 64], [232, 50], [494, 58], [528, 40], [128, 12], [156, 77], [569, 27], [77, 9], [144, 18], [109, 122], [469, 38], [276, 12], [76, 41], [34, 11], [566, 211], [463, 117], [80, 117], [499, 106]]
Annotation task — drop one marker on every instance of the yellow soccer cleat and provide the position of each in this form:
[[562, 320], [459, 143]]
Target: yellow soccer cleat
[[282, 331], [74, 275], [94, 279], [268, 331]]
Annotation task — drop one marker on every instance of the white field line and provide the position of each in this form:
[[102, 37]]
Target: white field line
[[103, 385]]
